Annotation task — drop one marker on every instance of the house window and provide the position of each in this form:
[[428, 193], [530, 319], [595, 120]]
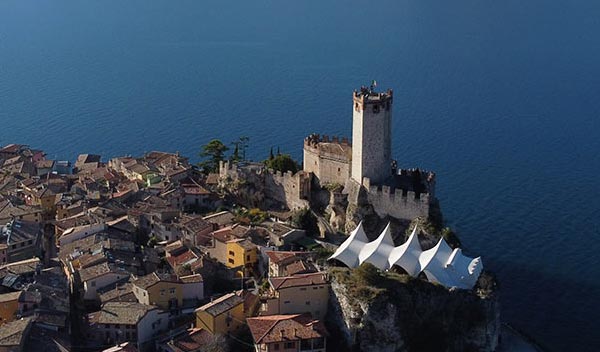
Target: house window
[[276, 347], [93, 283], [289, 345], [172, 290], [308, 303], [305, 345], [248, 258], [318, 343], [231, 261], [302, 288], [286, 302], [314, 288], [232, 253], [162, 292]]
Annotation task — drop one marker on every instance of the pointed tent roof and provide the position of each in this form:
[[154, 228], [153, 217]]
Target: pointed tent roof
[[407, 255], [377, 251], [433, 263], [348, 251], [463, 269], [441, 264]]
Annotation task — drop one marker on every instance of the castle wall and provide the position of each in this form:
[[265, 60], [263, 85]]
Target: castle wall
[[397, 203], [290, 189], [329, 161]]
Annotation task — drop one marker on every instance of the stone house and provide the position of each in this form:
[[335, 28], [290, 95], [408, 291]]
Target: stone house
[[14, 334], [305, 293], [99, 276], [9, 306], [287, 263], [118, 322], [287, 333], [21, 238], [222, 315], [168, 292]]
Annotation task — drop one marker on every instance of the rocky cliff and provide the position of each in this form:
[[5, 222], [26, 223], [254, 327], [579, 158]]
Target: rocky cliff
[[373, 311]]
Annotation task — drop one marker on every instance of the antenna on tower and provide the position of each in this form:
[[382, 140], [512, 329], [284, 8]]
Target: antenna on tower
[[373, 85]]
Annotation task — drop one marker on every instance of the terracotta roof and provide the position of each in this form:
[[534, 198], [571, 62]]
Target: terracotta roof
[[223, 218], [12, 333], [122, 293], [129, 313], [12, 296], [281, 328], [298, 280], [222, 304], [95, 271], [153, 278], [187, 256], [196, 224], [191, 341], [191, 278], [299, 267], [277, 257]]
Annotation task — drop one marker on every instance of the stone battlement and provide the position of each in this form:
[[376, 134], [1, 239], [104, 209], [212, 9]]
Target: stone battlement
[[289, 189], [366, 95], [314, 140], [402, 201]]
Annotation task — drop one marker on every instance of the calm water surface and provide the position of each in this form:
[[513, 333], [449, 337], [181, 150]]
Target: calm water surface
[[500, 98]]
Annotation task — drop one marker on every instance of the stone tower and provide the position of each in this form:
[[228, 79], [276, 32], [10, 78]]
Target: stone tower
[[371, 135]]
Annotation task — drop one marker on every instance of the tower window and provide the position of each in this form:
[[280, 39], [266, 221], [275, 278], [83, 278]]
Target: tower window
[[376, 108]]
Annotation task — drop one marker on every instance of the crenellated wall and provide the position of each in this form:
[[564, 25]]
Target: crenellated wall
[[397, 202], [329, 159], [288, 189]]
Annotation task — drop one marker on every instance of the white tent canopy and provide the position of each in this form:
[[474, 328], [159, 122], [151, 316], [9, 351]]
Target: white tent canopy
[[441, 264]]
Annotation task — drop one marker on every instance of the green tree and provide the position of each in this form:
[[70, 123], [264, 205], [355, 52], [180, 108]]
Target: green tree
[[306, 220], [213, 153], [239, 150], [283, 163]]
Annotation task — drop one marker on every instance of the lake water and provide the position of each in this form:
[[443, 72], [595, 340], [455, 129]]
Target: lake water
[[500, 98]]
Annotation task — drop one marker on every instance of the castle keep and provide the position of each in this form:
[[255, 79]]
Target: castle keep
[[371, 128], [365, 166]]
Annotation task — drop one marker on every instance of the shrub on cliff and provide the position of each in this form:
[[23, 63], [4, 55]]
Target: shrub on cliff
[[282, 163], [367, 274]]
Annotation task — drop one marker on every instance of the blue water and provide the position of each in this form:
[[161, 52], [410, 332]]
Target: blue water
[[499, 97]]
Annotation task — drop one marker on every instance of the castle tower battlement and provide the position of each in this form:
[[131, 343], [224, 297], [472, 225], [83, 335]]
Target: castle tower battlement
[[328, 158], [371, 135]]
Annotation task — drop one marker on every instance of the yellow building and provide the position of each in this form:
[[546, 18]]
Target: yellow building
[[223, 315], [9, 306], [233, 251], [241, 253], [297, 294], [167, 291]]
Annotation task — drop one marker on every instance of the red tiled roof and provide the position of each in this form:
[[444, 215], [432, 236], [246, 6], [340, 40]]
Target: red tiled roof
[[193, 340], [184, 257], [298, 280], [280, 328], [277, 257]]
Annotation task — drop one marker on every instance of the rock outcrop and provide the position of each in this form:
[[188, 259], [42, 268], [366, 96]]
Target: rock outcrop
[[397, 313]]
